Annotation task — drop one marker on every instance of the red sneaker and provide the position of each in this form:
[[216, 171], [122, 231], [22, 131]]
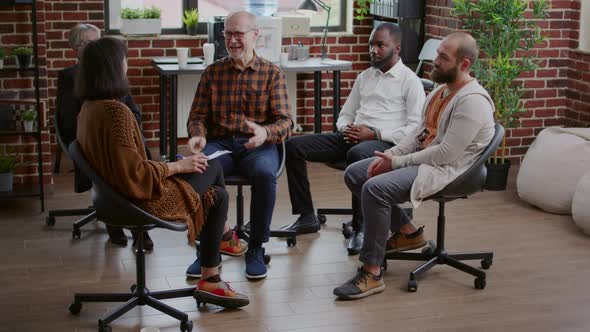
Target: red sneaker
[[234, 246], [219, 293]]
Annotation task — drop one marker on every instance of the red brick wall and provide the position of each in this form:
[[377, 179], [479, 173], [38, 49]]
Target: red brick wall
[[16, 30], [545, 99], [545, 88], [578, 90]]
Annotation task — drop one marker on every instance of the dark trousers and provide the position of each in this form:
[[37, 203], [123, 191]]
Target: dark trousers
[[260, 166], [212, 230], [329, 147]]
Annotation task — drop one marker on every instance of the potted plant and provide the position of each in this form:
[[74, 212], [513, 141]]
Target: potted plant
[[2, 55], [505, 34], [7, 166], [23, 57], [141, 21], [29, 117], [363, 8], [191, 20]]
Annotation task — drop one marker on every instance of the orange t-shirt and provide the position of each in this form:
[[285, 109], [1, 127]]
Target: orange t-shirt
[[434, 111]]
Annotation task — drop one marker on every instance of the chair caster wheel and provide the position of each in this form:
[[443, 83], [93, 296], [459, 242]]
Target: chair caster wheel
[[479, 283], [266, 259], [76, 234], [103, 327], [186, 326], [50, 221], [347, 230], [412, 286], [486, 263], [291, 242], [75, 308], [322, 219], [201, 303]]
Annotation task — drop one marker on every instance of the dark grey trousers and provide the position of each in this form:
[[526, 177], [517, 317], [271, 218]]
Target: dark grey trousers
[[380, 198]]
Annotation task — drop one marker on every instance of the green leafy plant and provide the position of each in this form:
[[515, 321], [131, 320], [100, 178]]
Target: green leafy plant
[[29, 115], [152, 12], [138, 13], [506, 37], [131, 13], [190, 17], [7, 163], [362, 9], [22, 51]]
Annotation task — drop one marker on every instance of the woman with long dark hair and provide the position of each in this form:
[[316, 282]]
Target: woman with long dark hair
[[190, 190]]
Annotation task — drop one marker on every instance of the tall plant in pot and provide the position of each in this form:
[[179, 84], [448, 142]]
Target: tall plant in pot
[[191, 21], [23, 57], [7, 165], [506, 31], [141, 21]]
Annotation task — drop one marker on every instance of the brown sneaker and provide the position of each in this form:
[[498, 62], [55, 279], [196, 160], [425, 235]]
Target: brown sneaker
[[216, 291], [362, 285], [403, 242]]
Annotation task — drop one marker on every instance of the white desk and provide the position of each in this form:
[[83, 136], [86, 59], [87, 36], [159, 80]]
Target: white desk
[[172, 71]]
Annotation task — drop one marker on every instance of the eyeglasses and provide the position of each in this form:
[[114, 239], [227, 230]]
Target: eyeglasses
[[238, 35]]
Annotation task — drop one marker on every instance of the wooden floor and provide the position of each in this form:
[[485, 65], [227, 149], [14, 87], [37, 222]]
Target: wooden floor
[[538, 282]]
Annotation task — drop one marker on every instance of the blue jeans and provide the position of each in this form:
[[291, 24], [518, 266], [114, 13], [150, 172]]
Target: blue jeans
[[259, 165]]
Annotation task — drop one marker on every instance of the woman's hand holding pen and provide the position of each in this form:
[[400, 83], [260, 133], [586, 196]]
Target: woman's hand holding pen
[[194, 163]]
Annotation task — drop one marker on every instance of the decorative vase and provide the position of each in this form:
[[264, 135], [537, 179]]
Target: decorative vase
[[497, 177], [192, 30], [143, 26], [6, 181], [24, 61], [28, 125]]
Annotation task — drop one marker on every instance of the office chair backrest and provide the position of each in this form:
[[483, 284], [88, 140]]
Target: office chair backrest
[[111, 206], [428, 53], [58, 137], [474, 178]]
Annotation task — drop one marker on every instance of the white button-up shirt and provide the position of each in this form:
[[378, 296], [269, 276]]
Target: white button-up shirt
[[390, 102]]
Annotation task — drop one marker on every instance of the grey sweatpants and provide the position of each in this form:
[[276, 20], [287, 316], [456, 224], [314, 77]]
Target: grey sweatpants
[[380, 198]]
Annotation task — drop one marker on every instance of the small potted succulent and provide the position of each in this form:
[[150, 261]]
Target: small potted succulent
[[2, 55], [23, 57], [191, 21], [141, 21], [7, 166], [29, 117]]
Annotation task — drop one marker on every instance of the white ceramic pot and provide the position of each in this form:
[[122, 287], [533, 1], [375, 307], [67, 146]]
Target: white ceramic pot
[[28, 125], [141, 27]]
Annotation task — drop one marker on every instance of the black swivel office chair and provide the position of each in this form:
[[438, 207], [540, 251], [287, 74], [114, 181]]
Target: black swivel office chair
[[466, 184], [89, 213], [113, 209], [243, 230]]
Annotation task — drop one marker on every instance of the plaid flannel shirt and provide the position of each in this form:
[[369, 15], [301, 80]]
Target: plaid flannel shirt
[[227, 96]]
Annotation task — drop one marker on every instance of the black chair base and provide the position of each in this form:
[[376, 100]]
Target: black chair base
[[242, 230], [431, 256], [138, 296], [436, 254], [89, 215]]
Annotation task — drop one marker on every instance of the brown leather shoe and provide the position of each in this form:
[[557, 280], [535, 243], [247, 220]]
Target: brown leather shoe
[[403, 242]]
